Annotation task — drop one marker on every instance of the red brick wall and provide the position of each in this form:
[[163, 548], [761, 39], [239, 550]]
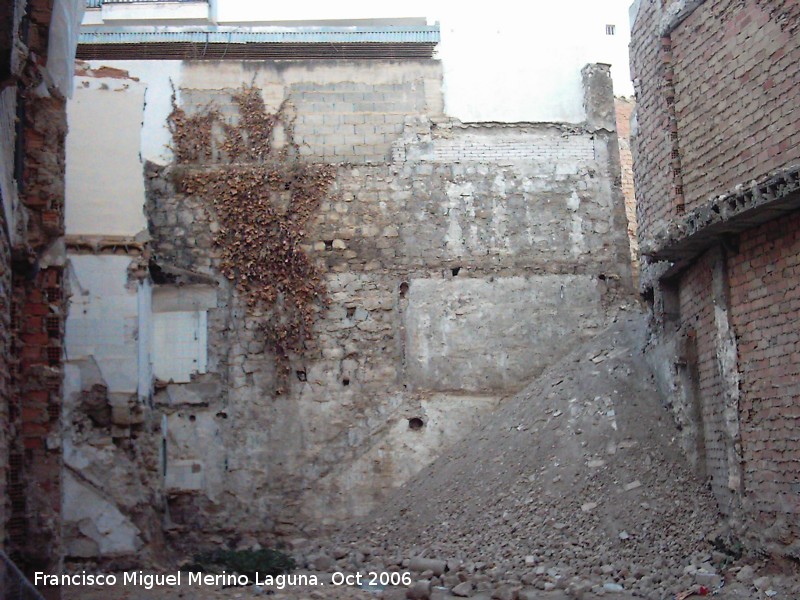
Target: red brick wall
[[718, 102], [697, 317], [32, 309], [6, 357], [765, 304], [652, 144], [737, 90], [37, 327], [624, 109]]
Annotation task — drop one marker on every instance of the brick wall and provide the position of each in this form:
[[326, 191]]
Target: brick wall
[[36, 497], [737, 67], [345, 121], [717, 102], [38, 311], [765, 298], [718, 107], [624, 109], [353, 122], [36, 303], [535, 147], [698, 320], [652, 143]]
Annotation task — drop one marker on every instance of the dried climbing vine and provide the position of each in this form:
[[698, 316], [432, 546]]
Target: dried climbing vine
[[262, 197]]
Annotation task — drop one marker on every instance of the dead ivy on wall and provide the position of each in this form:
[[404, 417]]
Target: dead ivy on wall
[[262, 197]]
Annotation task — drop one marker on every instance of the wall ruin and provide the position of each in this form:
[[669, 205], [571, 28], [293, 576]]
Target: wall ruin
[[459, 259], [717, 185]]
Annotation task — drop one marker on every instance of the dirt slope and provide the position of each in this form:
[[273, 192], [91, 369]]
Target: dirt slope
[[575, 480]]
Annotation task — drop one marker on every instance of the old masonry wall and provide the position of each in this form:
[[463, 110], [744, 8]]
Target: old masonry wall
[[460, 260]]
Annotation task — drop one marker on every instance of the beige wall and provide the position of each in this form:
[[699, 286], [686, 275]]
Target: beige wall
[[105, 186]]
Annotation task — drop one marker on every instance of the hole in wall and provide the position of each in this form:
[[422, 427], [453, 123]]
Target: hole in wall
[[222, 415], [53, 355], [415, 423], [602, 277], [351, 312], [301, 375], [53, 324], [328, 245], [346, 381], [455, 271], [192, 418], [403, 289]]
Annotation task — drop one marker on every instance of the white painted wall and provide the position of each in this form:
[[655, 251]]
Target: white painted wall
[[103, 319], [180, 345], [104, 182], [157, 78], [62, 42]]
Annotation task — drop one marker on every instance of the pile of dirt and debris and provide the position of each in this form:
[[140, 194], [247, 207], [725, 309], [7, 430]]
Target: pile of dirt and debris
[[574, 488], [575, 484]]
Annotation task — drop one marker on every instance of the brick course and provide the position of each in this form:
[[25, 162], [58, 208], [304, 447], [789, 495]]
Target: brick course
[[765, 296], [652, 145], [737, 85], [624, 110], [697, 317], [718, 101], [722, 87]]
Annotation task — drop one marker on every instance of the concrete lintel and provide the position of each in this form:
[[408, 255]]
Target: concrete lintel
[[114, 244], [690, 235]]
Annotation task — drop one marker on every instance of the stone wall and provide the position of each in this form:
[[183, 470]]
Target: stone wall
[[429, 258], [460, 260]]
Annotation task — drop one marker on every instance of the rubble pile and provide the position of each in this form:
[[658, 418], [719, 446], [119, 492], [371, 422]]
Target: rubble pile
[[575, 484]]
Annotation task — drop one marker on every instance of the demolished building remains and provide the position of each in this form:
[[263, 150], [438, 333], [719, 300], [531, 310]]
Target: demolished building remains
[[38, 51], [717, 173], [415, 238]]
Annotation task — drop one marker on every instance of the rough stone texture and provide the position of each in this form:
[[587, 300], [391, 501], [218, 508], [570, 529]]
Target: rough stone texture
[[446, 317], [575, 484], [715, 115], [461, 234]]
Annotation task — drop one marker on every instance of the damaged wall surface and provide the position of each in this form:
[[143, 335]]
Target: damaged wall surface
[[717, 174], [37, 49], [435, 239]]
